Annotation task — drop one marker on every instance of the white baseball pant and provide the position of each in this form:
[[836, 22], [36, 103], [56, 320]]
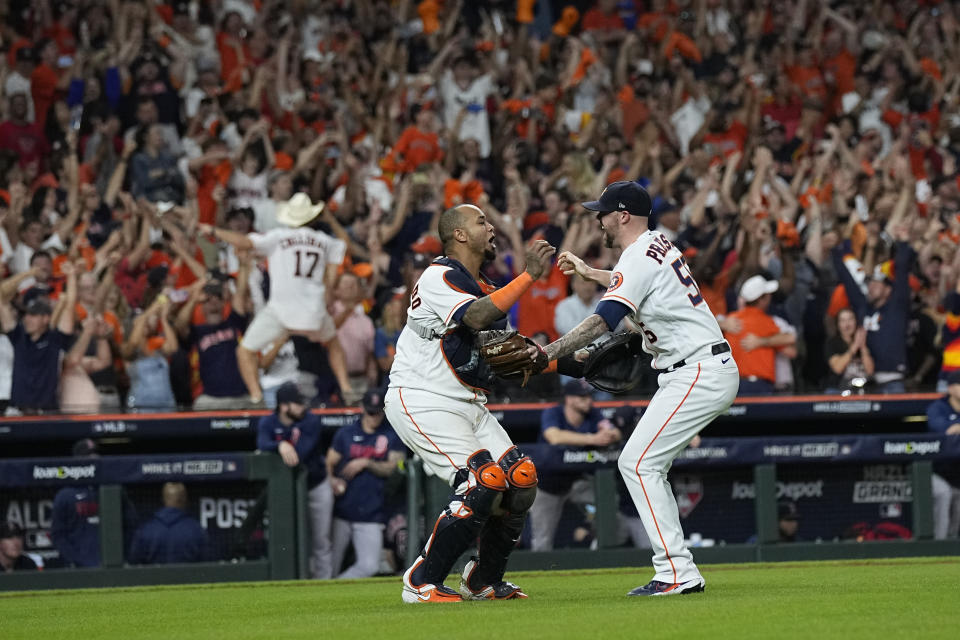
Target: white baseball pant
[[688, 400], [444, 432], [268, 325]]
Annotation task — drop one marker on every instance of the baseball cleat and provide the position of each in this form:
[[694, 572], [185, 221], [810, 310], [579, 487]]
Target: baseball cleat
[[429, 593], [498, 591], [657, 588], [425, 592]]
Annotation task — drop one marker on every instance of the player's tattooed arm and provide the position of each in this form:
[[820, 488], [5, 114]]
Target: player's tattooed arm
[[481, 313], [579, 337], [496, 305]]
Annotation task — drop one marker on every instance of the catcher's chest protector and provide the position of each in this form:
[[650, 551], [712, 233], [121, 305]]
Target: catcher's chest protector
[[460, 345]]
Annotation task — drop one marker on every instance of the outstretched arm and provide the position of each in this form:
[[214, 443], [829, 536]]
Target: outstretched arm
[[579, 337], [571, 264], [238, 240]]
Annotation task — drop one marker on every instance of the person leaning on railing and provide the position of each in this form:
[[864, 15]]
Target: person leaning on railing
[[151, 341], [850, 362], [37, 346]]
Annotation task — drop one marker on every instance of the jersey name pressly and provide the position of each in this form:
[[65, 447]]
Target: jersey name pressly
[[297, 260], [420, 363], [653, 280]]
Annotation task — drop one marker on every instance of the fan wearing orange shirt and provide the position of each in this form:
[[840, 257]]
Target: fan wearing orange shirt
[[754, 337], [805, 74], [726, 134], [604, 22], [212, 170], [536, 308], [419, 143]]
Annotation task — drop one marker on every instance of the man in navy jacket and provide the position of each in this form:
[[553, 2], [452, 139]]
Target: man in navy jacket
[[294, 433], [172, 535], [884, 312]]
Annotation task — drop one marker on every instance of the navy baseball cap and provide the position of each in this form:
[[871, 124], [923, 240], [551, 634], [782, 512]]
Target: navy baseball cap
[[372, 401], [787, 510], [85, 448], [289, 392], [38, 307], [577, 388], [622, 196]]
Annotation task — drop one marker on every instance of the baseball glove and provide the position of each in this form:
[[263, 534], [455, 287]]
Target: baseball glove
[[614, 364], [505, 352]]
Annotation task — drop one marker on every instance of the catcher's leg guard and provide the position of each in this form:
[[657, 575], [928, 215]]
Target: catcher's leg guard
[[460, 523], [500, 534]]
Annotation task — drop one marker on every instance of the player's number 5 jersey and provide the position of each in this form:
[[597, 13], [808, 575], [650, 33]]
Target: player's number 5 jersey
[[653, 280]]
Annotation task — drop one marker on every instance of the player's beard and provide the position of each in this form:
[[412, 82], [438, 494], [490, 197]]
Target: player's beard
[[490, 250], [607, 239], [296, 417]]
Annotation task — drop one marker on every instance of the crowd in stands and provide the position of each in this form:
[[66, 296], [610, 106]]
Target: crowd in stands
[[802, 154]]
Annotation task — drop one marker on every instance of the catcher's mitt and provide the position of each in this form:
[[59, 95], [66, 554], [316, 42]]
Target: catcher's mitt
[[505, 352], [614, 364]]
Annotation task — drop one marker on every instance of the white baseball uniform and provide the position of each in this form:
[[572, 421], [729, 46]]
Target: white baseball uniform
[[441, 418], [297, 260], [699, 381]]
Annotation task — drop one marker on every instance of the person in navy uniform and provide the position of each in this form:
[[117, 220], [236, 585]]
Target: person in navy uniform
[[75, 526], [359, 461], [943, 416], [575, 424], [294, 433], [172, 535]]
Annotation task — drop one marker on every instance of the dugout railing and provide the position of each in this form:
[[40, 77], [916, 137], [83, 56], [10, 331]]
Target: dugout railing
[[282, 494], [862, 497], [277, 503]]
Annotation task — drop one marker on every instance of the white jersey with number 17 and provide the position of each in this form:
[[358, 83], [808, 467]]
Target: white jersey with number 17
[[297, 260], [652, 279]]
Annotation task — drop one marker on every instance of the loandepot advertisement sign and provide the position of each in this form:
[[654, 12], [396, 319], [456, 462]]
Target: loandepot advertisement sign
[[73, 472]]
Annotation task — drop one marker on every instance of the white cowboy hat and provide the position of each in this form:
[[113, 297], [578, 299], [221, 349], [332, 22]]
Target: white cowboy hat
[[298, 211]]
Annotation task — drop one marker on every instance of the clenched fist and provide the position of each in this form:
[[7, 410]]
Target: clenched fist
[[538, 257]]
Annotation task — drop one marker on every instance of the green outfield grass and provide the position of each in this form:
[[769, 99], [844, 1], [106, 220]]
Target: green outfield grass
[[860, 599]]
